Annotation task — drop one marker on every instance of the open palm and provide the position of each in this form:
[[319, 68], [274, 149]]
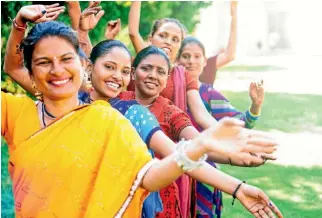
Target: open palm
[[90, 16], [257, 202], [257, 93]]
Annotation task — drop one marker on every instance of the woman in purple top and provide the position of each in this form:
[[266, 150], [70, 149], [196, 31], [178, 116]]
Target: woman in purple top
[[192, 57]]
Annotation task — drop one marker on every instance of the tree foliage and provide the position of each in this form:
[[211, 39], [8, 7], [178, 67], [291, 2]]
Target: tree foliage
[[186, 12]]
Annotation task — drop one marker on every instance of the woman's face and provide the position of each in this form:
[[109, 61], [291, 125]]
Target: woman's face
[[111, 73], [192, 59], [168, 38], [57, 73], [151, 75]]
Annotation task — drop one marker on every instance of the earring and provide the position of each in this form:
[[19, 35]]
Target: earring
[[38, 94], [87, 81]]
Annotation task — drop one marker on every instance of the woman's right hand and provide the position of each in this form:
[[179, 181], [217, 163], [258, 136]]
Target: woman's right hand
[[38, 13], [229, 139], [90, 16]]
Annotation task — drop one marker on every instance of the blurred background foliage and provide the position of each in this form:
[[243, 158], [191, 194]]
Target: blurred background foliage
[[186, 12]]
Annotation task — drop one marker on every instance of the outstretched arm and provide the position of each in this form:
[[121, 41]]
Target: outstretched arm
[[13, 59], [198, 110], [134, 24]]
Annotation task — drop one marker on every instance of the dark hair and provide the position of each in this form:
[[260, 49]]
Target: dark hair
[[43, 30], [158, 23], [188, 40], [150, 50], [104, 47]]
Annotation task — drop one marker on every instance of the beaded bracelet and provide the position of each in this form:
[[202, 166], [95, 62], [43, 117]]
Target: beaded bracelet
[[183, 161], [235, 192], [16, 25]]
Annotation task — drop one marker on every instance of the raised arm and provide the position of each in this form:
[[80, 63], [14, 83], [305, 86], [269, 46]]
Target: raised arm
[[224, 56], [88, 21], [228, 54], [74, 12], [198, 110], [13, 59], [134, 24]]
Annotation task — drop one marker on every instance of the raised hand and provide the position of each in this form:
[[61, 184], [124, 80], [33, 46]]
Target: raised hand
[[229, 139], [257, 93], [112, 29], [257, 202], [90, 16], [39, 13]]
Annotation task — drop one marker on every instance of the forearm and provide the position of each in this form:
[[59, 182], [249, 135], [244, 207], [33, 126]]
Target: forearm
[[199, 111], [167, 170], [74, 12], [134, 24], [232, 42], [214, 177], [85, 42], [13, 59]]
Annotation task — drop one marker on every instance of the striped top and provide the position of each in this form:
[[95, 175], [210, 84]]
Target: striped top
[[220, 107]]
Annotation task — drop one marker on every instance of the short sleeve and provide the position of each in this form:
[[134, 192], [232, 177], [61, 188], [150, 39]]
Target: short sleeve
[[10, 108], [191, 83], [208, 74], [144, 122], [178, 121]]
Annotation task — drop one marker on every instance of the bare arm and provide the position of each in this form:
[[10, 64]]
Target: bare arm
[[13, 60], [198, 110], [155, 179], [74, 12], [88, 21], [134, 24], [229, 53]]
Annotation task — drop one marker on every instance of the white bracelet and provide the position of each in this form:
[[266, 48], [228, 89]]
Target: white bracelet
[[183, 161]]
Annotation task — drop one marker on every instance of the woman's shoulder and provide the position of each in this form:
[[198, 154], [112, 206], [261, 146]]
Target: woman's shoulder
[[17, 101]]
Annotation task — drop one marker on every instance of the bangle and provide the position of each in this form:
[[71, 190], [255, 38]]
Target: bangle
[[234, 193], [183, 161], [17, 27]]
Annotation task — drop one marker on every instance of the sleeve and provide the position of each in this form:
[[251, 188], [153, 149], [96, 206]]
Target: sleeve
[[191, 83], [143, 121], [221, 107], [10, 108], [208, 75], [178, 121]]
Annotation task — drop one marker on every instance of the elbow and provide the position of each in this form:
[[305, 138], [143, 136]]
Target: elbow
[[133, 34]]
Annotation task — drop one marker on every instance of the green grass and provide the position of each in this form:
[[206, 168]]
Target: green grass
[[296, 191], [248, 68], [284, 112]]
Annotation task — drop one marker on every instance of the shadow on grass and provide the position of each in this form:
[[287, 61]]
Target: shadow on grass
[[296, 191], [250, 68]]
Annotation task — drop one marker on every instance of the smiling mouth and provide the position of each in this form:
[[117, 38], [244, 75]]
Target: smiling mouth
[[60, 82], [113, 85], [167, 50], [150, 85]]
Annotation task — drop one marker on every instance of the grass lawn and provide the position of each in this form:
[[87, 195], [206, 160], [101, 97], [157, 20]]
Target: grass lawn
[[284, 112], [297, 191]]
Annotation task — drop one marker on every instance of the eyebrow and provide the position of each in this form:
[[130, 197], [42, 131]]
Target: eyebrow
[[46, 58], [115, 63]]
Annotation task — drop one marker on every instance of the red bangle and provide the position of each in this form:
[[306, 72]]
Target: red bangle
[[16, 25]]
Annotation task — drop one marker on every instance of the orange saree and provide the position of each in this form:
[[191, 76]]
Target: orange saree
[[90, 163]]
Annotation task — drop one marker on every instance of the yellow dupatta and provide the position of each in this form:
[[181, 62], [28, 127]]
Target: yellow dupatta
[[87, 164]]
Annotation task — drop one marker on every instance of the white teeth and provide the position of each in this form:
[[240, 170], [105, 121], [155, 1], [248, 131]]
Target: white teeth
[[60, 82], [114, 85], [166, 49]]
